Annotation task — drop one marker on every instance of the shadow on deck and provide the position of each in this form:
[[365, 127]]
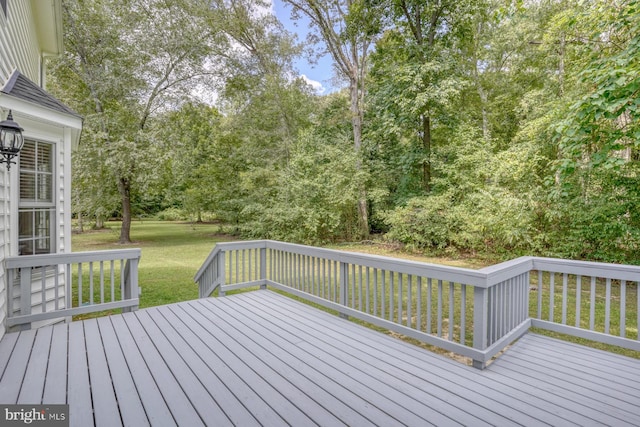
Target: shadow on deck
[[259, 358]]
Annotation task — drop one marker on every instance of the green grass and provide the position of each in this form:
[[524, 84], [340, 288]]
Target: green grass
[[172, 252]]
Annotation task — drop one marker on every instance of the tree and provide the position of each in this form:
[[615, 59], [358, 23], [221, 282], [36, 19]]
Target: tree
[[348, 29], [124, 62]]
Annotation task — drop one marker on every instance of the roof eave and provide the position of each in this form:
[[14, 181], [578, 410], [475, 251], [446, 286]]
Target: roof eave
[[48, 19]]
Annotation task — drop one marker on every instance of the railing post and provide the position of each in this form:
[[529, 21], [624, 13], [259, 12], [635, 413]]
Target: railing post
[[131, 283], [480, 322], [263, 268], [25, 295], [344, 286], [222, 270]]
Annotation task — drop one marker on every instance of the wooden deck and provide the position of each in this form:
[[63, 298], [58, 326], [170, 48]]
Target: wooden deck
[[259, 358]]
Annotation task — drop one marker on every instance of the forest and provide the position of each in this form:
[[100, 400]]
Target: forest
[[501, 127]]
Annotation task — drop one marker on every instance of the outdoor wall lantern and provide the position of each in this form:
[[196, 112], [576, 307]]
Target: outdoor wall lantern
[[11, 140]]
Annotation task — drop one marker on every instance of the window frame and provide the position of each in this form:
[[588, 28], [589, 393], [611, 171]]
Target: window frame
[[33, 206]]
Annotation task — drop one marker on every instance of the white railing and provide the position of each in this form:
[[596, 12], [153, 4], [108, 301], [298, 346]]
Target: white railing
[[474, 313], [54, 286]]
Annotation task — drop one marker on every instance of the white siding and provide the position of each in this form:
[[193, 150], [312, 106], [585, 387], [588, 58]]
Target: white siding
[[18, 42], [21, 48]]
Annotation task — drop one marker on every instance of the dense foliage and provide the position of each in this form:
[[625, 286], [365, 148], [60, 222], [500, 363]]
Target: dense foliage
[[494, 126]]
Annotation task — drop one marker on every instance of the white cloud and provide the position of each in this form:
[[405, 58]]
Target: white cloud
[[316, 85]]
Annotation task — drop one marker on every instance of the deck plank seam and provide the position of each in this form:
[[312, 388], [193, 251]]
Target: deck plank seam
[[278, 373], [471, 371], [133, 357], [464, 379], [208, 363], [148, 368], [153, 315], [390, 375], [255, 373], [587, 404], [154, 353], [318, 372]]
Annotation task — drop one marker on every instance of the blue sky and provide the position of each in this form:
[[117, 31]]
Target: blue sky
[[319, 75]]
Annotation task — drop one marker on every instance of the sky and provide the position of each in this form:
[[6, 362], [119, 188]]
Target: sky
[[317, 75]]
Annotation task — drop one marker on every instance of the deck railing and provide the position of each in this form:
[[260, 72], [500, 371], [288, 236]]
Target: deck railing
[[54, 286], [474, 313]]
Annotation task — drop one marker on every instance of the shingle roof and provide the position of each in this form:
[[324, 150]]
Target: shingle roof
[[21, 87]]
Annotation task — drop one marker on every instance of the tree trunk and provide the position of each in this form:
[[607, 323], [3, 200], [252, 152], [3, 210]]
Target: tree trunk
[[426, 146], [356, 123], [80, 223], [124, 188]]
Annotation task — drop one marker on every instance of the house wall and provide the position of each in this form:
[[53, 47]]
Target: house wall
[[19, 49], [62, 138], [18, 42]]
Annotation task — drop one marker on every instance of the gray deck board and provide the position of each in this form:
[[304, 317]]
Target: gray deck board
[[352, 408], [55, 387], [249, 375], [181, 408], [471, 385], [35, 374], [79, 389], [126, 393], [105, 405], [154, 403], [259, 358], [16, 367]]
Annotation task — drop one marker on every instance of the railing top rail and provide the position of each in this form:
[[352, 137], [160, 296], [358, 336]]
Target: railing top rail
[[588, 268], [485, 277], [505, 270], [457, 274], [229, 246], [71, 257]]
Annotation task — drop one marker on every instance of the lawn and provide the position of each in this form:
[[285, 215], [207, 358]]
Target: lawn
[[172, 252]]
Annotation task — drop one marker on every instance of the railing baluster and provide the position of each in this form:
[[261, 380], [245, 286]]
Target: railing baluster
[[440, 308], [80, 302], [375, 291], [419, 303], [383, 297], [101, 282], [451, 309], [68, 290], [112, 281], [607, 307], [56, 292], [429, 295], [400, 301], [360, 287], [623, 308], [578, 299], [540, 285], [43, 286], [552, 291], [368, 290], [592, 309], [463, 312], [352, 280], [392, 291], [122, 279], [564, 298], [410, 301]]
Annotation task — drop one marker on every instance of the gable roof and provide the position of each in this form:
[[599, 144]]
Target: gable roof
[[21, 87]]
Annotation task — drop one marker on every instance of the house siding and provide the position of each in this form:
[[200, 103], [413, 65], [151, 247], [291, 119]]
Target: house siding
[[19, 49], [18, 42]]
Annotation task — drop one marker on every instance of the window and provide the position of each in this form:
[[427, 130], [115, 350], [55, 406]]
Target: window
[[37, 203]]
